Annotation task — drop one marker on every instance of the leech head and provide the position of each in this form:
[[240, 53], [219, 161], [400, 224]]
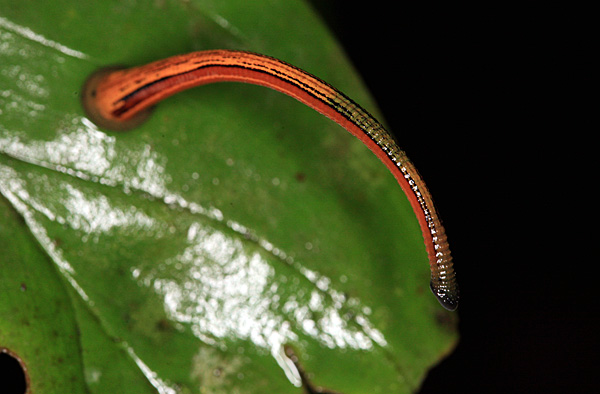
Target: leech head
[[90, 96], [447, 295]]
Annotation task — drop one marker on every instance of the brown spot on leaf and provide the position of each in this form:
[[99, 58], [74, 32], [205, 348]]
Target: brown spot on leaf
[[163, 325]]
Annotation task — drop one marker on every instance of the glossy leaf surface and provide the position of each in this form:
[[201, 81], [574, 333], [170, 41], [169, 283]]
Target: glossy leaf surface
[[180, 257]]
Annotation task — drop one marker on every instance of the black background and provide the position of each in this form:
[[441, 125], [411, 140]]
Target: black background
[[475, 96]]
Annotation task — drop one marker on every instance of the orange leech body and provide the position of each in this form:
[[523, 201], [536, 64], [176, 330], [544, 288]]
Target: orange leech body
[[120, 99]]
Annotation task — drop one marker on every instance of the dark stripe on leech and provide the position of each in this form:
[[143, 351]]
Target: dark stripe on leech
[[272, 72], [342, 108]]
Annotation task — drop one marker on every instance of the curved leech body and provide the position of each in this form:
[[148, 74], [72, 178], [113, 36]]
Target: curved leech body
[[121, 99]]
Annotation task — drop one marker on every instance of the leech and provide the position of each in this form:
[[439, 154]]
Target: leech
[[121, 99]]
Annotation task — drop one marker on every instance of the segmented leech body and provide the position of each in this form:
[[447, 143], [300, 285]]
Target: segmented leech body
[[120, 99]]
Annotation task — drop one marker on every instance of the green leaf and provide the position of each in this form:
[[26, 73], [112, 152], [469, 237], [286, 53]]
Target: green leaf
[[180, 257]]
